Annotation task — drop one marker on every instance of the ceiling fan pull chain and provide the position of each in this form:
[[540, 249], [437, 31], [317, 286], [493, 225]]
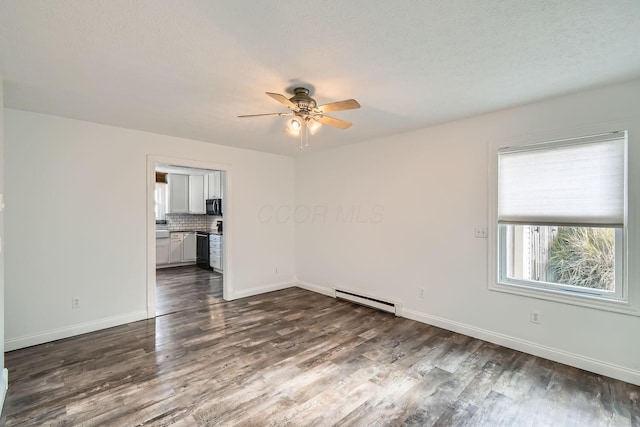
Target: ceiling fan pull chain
[[301, 136], [306, 132]]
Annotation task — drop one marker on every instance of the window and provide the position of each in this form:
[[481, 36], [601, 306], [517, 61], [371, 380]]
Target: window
[[161, 200], [560, 212], [582, 260]]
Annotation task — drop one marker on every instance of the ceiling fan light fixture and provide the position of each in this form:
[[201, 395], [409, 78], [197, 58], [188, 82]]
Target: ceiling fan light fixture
[[313, 126], [294, 125]]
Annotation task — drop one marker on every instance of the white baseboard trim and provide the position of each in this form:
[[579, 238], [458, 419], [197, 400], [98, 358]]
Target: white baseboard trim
[[588, 364], [4, 386], [151, 311], [316, 288], [243, 293], [73, 330]]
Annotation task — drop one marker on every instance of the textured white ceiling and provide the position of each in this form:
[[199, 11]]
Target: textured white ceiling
[[188, 68]]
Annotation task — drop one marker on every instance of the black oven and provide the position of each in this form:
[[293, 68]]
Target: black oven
[[202, 250]]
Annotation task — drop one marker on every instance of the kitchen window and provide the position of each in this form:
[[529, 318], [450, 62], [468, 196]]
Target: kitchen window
[[161, 202], [560, 210]]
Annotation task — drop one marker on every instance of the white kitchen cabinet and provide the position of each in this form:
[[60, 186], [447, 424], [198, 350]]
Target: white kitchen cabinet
[[178, 193], [210, 182], [197, 194], [215, 252], [163, 251], [215, 185], [216, 263], [176, 247], [188, 247], [182, 247]]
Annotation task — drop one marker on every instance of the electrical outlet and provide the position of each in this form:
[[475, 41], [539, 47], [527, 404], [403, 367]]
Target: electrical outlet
[[75, 302], [421, 292], [481, 233], [535, 317]]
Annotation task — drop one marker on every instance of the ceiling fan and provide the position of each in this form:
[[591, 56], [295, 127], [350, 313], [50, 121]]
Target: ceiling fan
[[308, 116]]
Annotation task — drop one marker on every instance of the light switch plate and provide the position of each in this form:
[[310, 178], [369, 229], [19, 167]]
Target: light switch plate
[[481, 233]]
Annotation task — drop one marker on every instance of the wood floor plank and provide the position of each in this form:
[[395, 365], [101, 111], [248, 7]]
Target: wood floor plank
[[296, 358]]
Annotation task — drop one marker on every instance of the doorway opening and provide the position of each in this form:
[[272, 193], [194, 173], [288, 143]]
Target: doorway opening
[[188, 211]]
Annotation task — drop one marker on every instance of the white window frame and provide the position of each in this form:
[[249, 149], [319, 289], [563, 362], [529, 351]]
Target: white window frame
[[626, 299]]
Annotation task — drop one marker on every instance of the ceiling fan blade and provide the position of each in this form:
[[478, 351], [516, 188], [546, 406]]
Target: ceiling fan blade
[[333, 122], [283, 100], [347, 104], [267, 114]]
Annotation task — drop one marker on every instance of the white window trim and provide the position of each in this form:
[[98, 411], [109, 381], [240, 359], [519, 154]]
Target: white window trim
[[630, 302]]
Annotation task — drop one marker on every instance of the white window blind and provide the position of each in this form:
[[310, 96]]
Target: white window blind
[[575, 182]]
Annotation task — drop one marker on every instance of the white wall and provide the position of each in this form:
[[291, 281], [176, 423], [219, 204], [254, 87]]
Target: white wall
[[421, 194], [76, 222], [3, 376]]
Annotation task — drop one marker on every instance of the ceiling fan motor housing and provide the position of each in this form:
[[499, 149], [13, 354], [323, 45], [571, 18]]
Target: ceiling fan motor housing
[[302, 99]]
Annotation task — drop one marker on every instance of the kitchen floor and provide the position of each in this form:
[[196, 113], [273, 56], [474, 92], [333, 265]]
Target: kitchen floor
[[182, 288]]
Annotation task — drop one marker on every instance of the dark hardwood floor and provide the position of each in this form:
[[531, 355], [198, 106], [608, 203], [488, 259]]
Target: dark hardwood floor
[[298, 358], [181, 288]]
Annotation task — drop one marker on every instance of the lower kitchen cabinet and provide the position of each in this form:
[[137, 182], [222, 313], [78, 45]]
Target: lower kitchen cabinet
[[216, 262], [215, 252], [176, 248], [188, 247], [182, 247], [163, 251]]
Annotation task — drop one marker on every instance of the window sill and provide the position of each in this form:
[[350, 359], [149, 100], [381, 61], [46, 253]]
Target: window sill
[[583, 300]]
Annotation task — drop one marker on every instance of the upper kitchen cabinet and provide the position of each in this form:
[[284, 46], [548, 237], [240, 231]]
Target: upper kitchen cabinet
[[178, 193], [197, 194], [215, 185], [188, 193]]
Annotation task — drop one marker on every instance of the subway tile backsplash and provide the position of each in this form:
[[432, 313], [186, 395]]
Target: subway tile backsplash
[[177, 222]]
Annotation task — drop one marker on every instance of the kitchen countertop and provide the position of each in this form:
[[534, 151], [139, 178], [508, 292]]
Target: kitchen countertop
[[194, 231]]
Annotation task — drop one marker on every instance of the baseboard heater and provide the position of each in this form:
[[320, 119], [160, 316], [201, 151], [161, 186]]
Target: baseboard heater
[[380, 304]]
